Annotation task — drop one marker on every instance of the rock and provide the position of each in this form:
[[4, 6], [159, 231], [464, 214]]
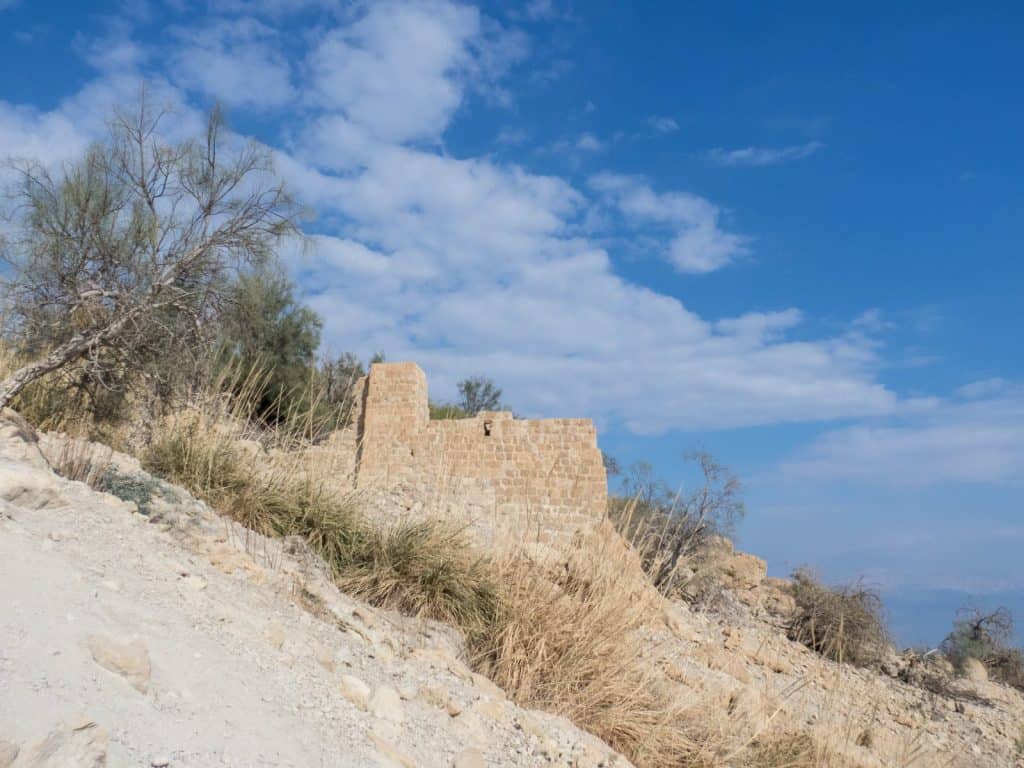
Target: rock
[[748, 703], [974, 671], [408, 692], [8, 753], [324, 656], [469, 758], [487, 686], [741, 571], [493, 709], [19, 441], [388, 756], [130, 660], [28, 487], [386, 704], [355, 690], [275, 635], [84, 746], [162, 761]]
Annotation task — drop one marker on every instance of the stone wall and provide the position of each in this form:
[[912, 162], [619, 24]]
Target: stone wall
[[539, 479]]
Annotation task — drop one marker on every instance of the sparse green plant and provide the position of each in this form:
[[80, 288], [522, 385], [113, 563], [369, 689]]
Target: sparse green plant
[[141, 489], [843, 623]]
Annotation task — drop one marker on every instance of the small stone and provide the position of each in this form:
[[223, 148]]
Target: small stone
[[365, 616], [324, 656], [386, 704], [388, 756], [491, 709], [469, 758], [130, 659], [81, 747], [8, 753], [355, 690], [453, 708], [275, 635], [408, 692], [486, 685], [160, 762]]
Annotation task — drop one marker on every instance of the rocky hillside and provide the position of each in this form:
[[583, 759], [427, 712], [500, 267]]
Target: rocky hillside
[[169, 637], [153, 632]]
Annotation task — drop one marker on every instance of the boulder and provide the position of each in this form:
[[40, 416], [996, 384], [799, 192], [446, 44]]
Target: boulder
[[19, 441], [355, 690], [81, 745], [128, 659], [974, 671], [386, 704]]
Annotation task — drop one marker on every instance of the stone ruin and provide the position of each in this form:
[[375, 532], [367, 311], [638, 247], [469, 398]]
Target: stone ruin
[[540, 479]]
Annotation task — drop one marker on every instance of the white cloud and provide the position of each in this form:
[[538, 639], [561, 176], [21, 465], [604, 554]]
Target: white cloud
[[697, 243], [663, 124], [761, 156], [400, 72], [588, 142], [983, 388], [238, 62], [980, 441], [473, 265]]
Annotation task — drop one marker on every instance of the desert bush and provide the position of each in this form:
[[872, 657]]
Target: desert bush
[[669, 528], [987, 637], [843, 623]]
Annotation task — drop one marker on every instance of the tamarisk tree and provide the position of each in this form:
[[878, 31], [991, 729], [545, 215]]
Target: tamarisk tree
[[130, 252]]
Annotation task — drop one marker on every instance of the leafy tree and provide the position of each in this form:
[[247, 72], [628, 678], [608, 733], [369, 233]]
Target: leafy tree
[[128, 254], [477, 394], [265, 329]]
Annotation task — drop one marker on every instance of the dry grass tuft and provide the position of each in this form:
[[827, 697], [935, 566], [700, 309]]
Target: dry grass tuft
[[790, 750], [81, 460], [842, 623], [423, 569], [565, 640]]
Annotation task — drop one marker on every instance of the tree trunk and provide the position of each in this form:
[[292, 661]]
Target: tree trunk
[[72, 349]]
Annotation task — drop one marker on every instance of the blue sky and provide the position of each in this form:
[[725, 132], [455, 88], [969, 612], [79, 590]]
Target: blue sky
[[786, 234]]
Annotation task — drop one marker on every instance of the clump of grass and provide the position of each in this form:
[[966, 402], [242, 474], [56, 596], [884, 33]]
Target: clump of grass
[[789, 750], [843, 623], [422, 569], [565, 640], [80, 460]]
